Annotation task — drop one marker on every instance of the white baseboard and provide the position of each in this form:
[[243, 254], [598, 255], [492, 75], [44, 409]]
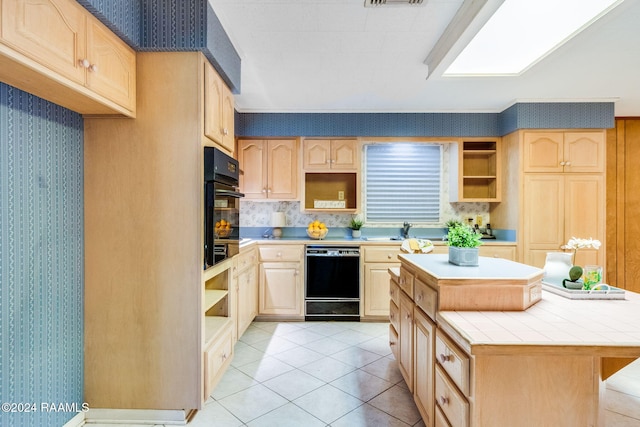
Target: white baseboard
[[76, 421], [142, 417]]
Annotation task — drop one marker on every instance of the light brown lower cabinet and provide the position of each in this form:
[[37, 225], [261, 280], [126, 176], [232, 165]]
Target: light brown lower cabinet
[[281, 280], [423, 365], [216, 358]]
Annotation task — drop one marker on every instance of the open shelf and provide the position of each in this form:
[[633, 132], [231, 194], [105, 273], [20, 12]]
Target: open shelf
[[213, 297], [475, 172], [330, 186]]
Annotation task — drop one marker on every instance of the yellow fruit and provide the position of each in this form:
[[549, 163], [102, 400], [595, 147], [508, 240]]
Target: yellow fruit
[[228, 226], [218, 224], [316, 223], [223, 222], [322, 226]]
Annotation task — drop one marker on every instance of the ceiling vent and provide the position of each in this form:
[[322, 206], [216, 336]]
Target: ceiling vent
[[376, 3]]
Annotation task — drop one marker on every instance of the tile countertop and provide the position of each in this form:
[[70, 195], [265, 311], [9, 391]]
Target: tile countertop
[[602, 327], [351, 241]]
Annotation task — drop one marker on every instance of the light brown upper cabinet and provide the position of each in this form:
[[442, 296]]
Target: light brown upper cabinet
[[57, 50], [270, 168], [219, 107], [564, 151], [330, 154], [475, 169]]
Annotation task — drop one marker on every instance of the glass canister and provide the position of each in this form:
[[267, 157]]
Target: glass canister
[[592, 275]]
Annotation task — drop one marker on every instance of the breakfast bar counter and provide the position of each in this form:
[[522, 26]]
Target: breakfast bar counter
[[541, 366]]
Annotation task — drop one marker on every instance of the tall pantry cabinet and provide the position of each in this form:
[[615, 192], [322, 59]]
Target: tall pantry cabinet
[[149, 345], [555, 189]]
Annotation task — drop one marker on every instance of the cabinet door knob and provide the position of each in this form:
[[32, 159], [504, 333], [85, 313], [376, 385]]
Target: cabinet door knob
[[296, 273], [225, 131], [419, 297], [444, 358], [392, 343], [562, 163], [264, 190], [84, 63], [268, 190], [567, 163], [443, 400], [93, 68], [279, 255], [389, 256]]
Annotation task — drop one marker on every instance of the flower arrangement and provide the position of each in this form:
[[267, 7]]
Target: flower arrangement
[[575, 274]]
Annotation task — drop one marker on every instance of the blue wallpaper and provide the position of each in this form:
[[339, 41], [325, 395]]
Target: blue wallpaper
[[520, 116], [190, 25], [41, 257], [557, 115], [123, 17], [366, 124]]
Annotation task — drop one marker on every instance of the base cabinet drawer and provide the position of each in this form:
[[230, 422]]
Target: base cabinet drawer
[[394, 315], [216, 357], [426, 298], [452, 403], [440, 419], [393, 342], [453, 361]]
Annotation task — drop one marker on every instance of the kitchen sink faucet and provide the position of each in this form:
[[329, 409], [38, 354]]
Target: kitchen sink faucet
[[405, 229]]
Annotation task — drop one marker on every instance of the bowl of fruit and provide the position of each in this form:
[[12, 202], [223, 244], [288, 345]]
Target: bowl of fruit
[[223, 228], [317, 230]]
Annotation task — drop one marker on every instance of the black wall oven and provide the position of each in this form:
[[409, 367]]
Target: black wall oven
[[221, 206]]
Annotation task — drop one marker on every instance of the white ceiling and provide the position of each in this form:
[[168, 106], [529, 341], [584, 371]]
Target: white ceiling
[[338, 56]]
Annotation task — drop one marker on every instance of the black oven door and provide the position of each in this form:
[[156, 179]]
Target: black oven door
[[221, 222]]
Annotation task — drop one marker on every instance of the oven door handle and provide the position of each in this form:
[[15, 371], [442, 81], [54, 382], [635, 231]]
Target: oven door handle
[[229, 193]]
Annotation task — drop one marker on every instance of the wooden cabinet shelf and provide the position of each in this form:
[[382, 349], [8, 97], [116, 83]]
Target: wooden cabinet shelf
[[474, 171], [213, 297], [331, 186]]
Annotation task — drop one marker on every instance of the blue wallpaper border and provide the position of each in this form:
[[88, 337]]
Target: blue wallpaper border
[[581, 115]]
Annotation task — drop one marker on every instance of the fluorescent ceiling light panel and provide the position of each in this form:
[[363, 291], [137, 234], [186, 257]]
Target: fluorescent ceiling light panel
[[521, 32]]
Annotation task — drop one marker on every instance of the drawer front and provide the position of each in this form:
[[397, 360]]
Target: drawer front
[[394, 291], [215, 357], [426, 298], [393, 342], [506, 252], [453, 360], [381, 254], [246, 259], [453, 404], [281, 253], [406, 282], [440, 419], [394, 315]]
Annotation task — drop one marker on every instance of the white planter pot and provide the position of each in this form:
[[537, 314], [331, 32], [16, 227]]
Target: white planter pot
[[356, 233], [463, 256]]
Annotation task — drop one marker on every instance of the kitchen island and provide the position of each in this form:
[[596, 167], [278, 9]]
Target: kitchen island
[[543, 366]]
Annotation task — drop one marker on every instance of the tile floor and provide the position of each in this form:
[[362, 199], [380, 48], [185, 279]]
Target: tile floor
[[340, 374], [311, 374]]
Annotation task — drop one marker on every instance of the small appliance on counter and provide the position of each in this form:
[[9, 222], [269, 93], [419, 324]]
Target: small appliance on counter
[[221, 206]]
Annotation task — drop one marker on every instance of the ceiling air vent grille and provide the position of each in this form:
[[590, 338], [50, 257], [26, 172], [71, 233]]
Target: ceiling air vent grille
[[376, 3]]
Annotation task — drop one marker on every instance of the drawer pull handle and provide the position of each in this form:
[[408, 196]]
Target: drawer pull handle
[[444, 358], [443, 400], [389, 256], [392, 343], [419, 297]]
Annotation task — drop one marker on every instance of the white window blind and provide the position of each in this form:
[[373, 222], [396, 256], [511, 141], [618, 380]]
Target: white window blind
[[402, 182]]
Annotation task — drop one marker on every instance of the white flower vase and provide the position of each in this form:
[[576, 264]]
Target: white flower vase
[[557, 266]]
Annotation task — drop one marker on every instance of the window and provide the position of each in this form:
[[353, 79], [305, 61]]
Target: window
[[402, 182]]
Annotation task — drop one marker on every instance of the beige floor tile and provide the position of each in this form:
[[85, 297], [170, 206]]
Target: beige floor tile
[[252, 403], [298, 356], [265, 368], [368, 416], [327, 346], [288, 415], [356, 356], [386, 369], [294, 384], [274, 345], [214, 414], [362, 385], [328, 403], [398, 402], [232, 382], [327, 369]]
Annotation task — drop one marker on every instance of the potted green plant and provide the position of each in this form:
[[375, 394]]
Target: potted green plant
[[355, 225], [463, 244]]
